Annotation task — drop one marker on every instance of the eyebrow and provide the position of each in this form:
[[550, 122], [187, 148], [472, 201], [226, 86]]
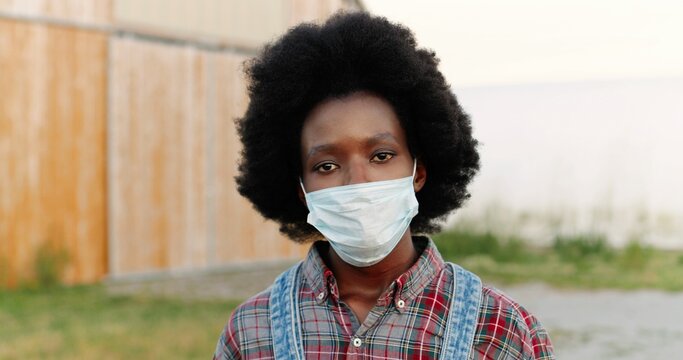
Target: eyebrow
[[320, 148], [372, 140], [381, 137]]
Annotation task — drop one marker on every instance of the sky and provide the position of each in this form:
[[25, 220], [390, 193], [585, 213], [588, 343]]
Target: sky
[[493, 42]]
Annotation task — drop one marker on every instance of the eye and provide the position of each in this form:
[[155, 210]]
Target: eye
[[325, 167], [382, 157]]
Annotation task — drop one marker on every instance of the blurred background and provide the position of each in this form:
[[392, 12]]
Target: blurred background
[[120, 224], [578, 109]]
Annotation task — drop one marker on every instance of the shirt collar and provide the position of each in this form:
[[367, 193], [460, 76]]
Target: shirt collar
[[316, 273], [404, 288]]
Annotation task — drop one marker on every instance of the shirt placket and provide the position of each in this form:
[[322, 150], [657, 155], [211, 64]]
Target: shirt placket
[[356, 332]]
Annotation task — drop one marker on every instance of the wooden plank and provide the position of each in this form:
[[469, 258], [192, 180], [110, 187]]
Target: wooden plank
[[233, 233], [52, 148], [157, 160], [174, 204], [241, 234]]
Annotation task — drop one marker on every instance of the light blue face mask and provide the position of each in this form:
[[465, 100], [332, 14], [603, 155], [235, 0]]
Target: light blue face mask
[[363, 222]]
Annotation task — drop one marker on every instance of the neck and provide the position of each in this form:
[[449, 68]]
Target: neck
[[370, 282]]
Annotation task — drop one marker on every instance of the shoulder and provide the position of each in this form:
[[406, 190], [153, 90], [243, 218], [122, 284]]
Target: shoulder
[[253, 314], [506, 329], [247, 332]]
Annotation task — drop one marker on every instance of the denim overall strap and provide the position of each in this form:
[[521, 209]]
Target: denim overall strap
[[285, 324], [462, 315]]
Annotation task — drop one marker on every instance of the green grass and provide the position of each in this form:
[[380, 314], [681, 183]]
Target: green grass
[[582, 261], [86, 323]]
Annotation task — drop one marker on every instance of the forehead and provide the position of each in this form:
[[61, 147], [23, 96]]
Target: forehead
[[360, 115]]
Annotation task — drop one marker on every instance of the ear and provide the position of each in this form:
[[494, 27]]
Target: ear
[[301, 194], [420, 176]]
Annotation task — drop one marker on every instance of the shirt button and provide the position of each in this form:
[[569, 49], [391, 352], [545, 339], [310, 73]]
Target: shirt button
[[400, 303], [357, 342], [321, 295]]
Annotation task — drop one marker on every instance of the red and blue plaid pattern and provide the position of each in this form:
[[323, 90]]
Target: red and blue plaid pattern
[[407, 322]]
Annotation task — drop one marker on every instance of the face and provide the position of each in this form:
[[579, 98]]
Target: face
[[353, 140]]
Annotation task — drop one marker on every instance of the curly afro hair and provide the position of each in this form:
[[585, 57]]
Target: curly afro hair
[[350, 52]]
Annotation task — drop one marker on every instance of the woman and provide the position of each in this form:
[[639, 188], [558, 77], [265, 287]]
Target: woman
[[353, 136]]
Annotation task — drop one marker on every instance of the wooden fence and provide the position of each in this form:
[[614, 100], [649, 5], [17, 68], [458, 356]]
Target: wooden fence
[[117, 141], [52, 148]]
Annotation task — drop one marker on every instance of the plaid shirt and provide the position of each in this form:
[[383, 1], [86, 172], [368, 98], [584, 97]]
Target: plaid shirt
[[408, 320]]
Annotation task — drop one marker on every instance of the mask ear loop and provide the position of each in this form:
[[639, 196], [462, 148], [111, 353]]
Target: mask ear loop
[[414, 167], [301, 183]]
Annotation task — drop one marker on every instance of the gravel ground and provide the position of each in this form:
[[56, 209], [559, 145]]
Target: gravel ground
[[608, 324], [228, 283], [603, 324]]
